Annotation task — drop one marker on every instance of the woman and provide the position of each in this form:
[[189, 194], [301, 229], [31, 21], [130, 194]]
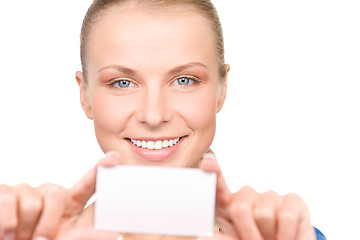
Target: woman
[[153, 80]]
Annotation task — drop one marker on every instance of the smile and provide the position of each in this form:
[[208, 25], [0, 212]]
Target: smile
[[155, 145]]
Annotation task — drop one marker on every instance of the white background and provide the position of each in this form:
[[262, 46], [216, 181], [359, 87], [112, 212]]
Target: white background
[[290, 122]]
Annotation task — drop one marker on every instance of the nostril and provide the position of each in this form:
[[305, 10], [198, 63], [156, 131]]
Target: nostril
[[154, 116], [154, 109]]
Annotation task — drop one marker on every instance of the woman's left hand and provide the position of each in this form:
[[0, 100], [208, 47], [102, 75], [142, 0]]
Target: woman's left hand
[[249, 215]]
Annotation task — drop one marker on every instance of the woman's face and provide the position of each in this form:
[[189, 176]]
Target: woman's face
[[153, 86]]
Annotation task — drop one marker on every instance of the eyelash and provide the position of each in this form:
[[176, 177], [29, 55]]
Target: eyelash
[[192, 78], [195, 80], [112, 82]]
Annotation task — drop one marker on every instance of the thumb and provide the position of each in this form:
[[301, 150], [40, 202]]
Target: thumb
[[210, 164], [85, 188], [89, 234]]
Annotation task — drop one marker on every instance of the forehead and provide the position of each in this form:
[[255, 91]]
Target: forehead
[[136, 35]]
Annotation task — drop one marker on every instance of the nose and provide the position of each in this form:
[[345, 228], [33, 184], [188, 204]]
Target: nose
[[154, 110]]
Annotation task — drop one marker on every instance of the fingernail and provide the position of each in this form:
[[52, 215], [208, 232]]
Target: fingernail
[[113, 154], [209, 154], [9, 236]]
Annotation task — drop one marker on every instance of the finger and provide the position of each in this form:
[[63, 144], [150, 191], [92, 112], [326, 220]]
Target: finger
[[8, 213], [306, 230], [85, 188], [217, 236], [89, 234], [241, 211], [54, 199], [223, 194], [29, 210], [291, 213], [265, 214], [111, 159]]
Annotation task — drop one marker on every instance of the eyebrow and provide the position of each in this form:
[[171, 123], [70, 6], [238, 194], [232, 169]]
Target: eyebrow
[[181, 68], [172, 71], [120, 68]]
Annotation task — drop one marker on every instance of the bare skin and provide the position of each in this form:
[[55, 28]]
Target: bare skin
[[242, 215]]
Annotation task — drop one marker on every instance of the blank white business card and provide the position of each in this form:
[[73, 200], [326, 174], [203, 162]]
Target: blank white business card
[[155, 200]]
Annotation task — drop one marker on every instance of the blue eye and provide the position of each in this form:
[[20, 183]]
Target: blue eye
[[185, 80], [123, 83]]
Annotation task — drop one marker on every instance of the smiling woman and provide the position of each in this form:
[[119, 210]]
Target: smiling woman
[[152, 86]]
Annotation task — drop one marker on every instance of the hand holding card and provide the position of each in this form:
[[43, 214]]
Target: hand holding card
[[155, 200]]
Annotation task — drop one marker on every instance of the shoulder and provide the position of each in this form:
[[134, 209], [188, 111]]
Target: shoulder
[[319, 235]]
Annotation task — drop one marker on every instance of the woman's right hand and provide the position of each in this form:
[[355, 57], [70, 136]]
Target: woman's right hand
[[50, 211]]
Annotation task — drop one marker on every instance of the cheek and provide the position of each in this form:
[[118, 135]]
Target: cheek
[[110, 114], [198, 109]]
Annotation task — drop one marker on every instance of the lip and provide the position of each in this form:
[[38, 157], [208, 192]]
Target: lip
[[155, 155]]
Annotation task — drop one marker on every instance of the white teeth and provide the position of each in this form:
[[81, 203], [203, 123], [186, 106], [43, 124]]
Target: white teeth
[[151, 145], [157, 145], [165, 143]]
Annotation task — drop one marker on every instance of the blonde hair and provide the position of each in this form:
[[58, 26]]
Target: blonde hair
[[203, 7]]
